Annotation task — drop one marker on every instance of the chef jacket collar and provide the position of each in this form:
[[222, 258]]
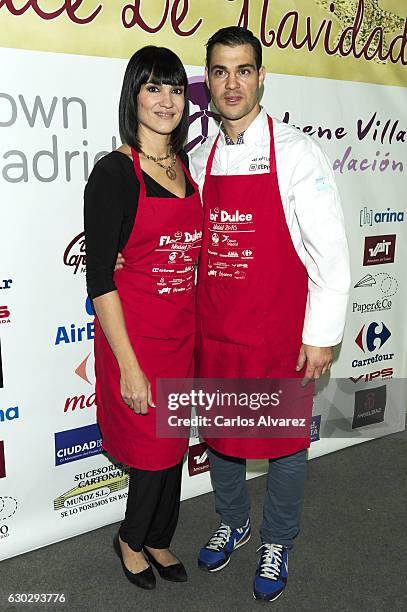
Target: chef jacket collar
[[254, 134]]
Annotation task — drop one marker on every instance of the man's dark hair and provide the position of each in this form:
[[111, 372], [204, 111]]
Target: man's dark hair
[[160, 66], [232, 37]]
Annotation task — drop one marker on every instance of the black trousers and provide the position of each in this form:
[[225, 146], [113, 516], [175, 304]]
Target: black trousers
[[152, 507]]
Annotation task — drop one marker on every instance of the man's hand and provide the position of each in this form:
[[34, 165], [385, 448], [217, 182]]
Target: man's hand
[[318, 360], [119, 262]]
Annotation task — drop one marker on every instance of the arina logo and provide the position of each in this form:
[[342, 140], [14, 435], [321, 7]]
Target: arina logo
[[367, 339], [369, 217]]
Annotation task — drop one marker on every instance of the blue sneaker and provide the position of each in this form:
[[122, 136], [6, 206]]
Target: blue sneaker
[[215, 555], [272, 572]]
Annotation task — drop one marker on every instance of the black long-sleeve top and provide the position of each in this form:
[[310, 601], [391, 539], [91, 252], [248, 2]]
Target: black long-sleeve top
[[110, 207]]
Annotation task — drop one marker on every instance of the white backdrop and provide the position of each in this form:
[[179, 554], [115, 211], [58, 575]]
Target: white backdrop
[[52, 474]]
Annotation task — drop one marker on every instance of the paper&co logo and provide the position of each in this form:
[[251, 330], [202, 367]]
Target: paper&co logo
[[384, 284]]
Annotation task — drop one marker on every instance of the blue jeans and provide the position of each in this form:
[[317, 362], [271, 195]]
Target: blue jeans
[[283, 500]]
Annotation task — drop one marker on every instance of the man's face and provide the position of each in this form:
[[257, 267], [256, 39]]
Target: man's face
[[234, 80]]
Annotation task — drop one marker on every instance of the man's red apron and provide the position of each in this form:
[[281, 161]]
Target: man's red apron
[[252, 292], [157, 292]]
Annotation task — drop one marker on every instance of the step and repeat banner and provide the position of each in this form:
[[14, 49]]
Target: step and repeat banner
[[336, 71]]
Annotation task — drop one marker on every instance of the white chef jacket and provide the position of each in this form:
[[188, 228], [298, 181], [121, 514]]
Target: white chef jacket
[[312, 209]]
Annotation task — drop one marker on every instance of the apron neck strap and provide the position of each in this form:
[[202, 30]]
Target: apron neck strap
[[188, 174], [211, 156], [272, 150], [137, 170], [272, 161]]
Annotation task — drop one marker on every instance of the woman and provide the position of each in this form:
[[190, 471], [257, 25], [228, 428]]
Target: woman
[[142, 200]]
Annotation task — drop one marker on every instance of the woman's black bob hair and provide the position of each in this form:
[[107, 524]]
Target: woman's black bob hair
[[160, 66]]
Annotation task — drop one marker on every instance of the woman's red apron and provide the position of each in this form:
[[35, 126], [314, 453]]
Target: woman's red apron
[[252, 292], [157, 292]]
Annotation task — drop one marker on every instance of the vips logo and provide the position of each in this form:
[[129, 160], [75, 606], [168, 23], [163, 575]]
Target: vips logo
[[4, 315], [379, 250], [2, 460], [315, 427], [370, 217], [79, 443], [9, 414], [371, 339], [75, 254], [8, 508], [198, 461], [94, 488], [369, 376], [370, 405], [5, 283], [68, 334]]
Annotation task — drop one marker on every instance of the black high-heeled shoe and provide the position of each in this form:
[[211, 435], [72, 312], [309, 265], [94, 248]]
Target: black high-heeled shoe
[[145, 579], [174, 573]]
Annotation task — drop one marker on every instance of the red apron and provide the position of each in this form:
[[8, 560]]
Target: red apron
[[252, 292], [157, 292]]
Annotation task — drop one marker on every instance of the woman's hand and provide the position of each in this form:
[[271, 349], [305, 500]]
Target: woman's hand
[[135, 389], [120, 261]]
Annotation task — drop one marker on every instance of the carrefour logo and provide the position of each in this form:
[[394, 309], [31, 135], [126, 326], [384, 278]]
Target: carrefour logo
[[373, 337]]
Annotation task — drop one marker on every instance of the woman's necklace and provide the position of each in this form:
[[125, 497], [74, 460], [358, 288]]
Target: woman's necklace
[[169, 170]]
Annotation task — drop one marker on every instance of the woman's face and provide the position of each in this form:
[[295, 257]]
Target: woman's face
[[160, 107]]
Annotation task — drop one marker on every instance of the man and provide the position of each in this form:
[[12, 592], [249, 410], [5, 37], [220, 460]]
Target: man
[[282, 310]]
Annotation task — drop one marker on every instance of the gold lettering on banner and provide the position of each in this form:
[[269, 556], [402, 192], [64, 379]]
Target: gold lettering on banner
[[175, 17], [70, 7], [365, 27], [364, 34]]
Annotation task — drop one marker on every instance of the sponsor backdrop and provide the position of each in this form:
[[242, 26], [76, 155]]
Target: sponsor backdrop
[[336, 70]]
